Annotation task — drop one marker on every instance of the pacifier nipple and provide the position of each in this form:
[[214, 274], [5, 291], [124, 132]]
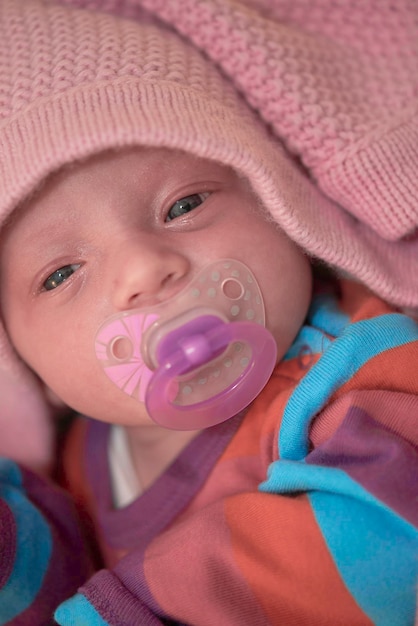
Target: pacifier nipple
[[197, 359]]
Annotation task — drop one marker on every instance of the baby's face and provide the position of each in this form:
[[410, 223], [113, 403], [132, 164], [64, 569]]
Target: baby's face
[[129, 230]]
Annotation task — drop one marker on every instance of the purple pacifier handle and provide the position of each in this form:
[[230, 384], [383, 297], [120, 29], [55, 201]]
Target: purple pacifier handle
[[194, 344]]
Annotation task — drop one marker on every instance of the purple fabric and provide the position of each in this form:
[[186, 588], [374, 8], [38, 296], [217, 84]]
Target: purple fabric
[[374, 456], [7, 542], [134, 526], [69, 564], [116, 604]]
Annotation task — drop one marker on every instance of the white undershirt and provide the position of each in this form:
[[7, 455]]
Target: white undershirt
[[124, 481]]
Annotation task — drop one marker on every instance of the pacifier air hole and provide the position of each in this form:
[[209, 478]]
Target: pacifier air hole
[[232, 288], [120, 348]]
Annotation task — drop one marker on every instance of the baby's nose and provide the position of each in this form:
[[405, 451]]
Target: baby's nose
[[146, 272]]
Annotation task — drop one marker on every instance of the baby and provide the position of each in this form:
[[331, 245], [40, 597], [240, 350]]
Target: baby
[[250, 444]]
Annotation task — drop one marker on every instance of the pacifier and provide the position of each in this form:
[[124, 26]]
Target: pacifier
[[197, 359]]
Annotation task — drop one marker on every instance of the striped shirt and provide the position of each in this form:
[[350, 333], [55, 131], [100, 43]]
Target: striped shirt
[[303, 510]]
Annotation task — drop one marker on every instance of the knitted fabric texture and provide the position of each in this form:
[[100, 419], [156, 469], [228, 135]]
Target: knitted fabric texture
[[74, 82], [338, 81], [338, 84]]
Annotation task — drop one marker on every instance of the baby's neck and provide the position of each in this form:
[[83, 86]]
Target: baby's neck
[[153, 449]]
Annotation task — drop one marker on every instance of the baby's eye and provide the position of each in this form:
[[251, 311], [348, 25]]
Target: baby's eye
[[185, 205], [55, 279]]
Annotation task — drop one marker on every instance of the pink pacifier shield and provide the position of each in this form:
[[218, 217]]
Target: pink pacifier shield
[[118, 348], [198, 358]]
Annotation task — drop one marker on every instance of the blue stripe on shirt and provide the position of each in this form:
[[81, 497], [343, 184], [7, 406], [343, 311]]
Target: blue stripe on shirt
[[78, 610], [325, 314], [33, 545], [360, 342], [324, 320], [374, 549]]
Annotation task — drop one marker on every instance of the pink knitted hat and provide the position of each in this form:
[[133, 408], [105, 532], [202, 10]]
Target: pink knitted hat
[[74, 82], [337, 83]]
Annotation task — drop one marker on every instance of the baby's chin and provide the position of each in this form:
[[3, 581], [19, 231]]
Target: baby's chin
[[133, 415]]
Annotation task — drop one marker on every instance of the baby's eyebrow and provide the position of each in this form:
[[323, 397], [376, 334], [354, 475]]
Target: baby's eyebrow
[[48, 240]]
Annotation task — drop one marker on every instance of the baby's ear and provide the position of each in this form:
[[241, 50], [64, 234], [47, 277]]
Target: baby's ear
[[26, 423]]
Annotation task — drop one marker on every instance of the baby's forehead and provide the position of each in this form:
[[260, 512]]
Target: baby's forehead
[[109, 170], [163, 158]]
